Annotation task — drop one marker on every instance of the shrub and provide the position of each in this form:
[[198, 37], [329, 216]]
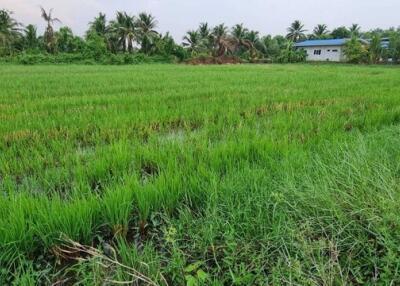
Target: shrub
[[355, 52]]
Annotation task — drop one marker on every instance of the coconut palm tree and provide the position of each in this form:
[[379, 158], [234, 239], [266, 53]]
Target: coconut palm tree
[[204, 31], [30, 37], [98, 25], [239, 32], [126, 30], [296, 31], [219, 31], [320, 31], [9, 31], [375, 49], [192, 41], [146, 25], [243, 36], [355, 30], [206, 37], [49, 38], [253, 43], [219, 35], [253, 37]]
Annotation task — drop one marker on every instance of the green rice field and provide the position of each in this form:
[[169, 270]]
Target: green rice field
[[199, 175]]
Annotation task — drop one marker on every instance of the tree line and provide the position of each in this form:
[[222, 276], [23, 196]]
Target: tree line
[[128, 38]]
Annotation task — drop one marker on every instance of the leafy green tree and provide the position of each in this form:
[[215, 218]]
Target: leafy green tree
[[49, 37], [355, 52], [10, 32], [341, 33], [146, 25], [320, 32], [65, 40], [78, 44], [95, 47], [271, 48], [296, 31]]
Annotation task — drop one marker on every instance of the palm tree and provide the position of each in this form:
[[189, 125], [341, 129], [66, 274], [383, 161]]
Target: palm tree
[[192, 41], [49, 38], [296, 31], [242, 36], [9, 31], [320, 31], [98, 25], [253, 37], [126, 30], [206, 37], [355, 30], [146, 25], [218, 35], [375, 49], [219, 31], [253, 43], [30, 37], [204, 31], [239, 32]]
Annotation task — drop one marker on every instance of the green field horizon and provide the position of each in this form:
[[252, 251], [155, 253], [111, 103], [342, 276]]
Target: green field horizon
[[199, 175]]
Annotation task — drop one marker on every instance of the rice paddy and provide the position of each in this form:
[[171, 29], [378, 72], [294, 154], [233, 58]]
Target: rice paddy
[[199, 175]]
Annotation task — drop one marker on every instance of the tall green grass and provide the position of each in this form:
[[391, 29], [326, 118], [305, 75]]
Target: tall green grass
[[217, 175]]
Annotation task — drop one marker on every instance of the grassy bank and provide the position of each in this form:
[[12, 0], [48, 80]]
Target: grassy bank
[[206, 175]]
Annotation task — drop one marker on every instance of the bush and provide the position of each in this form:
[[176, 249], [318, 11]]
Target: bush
[[87, 58], [290, 55], [355, 52], [95, 47], [63, 58]]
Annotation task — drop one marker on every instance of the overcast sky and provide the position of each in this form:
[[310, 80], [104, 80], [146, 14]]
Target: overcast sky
[[178, 16]]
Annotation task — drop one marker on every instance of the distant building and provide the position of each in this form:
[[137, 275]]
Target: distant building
[[331, 50], [385, 43], [323, 50]]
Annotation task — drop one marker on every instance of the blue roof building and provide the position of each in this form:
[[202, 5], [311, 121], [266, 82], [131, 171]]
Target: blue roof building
[[321, 43], [325, 50]]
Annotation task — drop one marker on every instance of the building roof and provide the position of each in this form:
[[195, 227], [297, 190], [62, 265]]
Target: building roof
[[315, 43]]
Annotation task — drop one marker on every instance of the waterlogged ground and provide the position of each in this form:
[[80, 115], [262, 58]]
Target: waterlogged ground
[[205, 175]]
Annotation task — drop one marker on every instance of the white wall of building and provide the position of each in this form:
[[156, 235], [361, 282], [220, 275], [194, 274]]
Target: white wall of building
[[325, 53]]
